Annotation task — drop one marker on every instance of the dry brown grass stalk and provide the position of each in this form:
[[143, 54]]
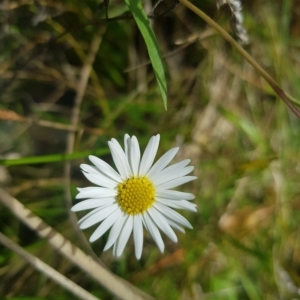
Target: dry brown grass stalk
[[13, 116], [47, 270], [86, 263], [75, 118]]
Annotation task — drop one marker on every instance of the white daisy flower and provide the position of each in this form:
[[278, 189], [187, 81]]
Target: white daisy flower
[[138, 195]]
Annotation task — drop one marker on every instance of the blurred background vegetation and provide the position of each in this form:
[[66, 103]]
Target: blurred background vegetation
[[243, 142]]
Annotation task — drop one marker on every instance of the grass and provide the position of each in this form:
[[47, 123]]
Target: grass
[[243, 142]]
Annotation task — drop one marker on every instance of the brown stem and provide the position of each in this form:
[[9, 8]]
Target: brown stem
[[86, 263], [245, 54]]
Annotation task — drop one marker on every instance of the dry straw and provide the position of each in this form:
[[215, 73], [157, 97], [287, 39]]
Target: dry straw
[[114, 284]]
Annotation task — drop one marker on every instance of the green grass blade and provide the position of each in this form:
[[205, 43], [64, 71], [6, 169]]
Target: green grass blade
[[252, 132], [135, 6], [50, 158]]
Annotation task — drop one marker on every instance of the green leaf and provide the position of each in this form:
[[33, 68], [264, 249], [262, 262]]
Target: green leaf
[[50, 158], [135, 6]]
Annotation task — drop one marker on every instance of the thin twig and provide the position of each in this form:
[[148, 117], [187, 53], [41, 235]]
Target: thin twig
[[86, 263], [75, 118], [13, 116], [27, 185], [287, 99], [47, 270]]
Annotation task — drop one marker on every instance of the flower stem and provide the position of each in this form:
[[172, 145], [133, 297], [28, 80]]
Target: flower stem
[[287, 99]]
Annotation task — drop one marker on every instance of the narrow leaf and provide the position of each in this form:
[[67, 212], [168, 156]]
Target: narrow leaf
[[135, 6]]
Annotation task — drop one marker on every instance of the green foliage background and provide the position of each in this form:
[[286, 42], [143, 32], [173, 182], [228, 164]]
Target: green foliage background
[[242, 140]]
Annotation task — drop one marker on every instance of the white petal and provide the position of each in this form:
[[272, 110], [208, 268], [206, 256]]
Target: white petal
[[162, 162], [171, 169], [124, 236], [105, 225], [172, 214], [134, 155], [90, 214], [154, 232], [171, 174], [161, 222], [95, 192], [101, 180], [144, 223], [115, 231], [138, 235], [115, 246], [175, 195], [179, 204], [89, 169], [126, 139], [175, 225], [92, 203], [149, 155], [105, 168], [99, 216], [120, 159], [176, 182]]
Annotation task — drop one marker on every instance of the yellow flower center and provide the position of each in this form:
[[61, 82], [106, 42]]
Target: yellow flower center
[[136, 195]]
